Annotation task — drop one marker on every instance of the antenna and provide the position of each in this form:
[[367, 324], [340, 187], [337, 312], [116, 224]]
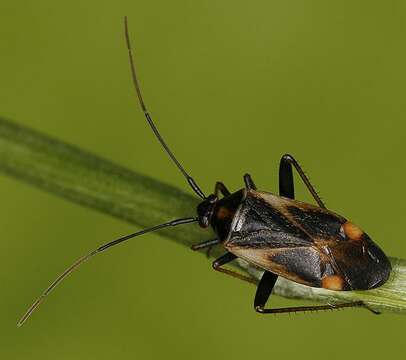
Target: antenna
[[100, 249], [189, 179]]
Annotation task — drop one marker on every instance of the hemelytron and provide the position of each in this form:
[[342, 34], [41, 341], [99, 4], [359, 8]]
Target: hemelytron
[[285, 237]]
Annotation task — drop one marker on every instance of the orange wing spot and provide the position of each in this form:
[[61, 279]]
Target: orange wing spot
[[223, 213], [351, 231], [333, 282]]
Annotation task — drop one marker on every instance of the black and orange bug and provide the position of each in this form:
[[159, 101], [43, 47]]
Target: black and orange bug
[[308, 244]]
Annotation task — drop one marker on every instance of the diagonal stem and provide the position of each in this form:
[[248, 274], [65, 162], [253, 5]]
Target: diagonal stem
[[97, 183]]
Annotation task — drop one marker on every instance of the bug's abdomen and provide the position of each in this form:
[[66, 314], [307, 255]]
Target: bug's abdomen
[[306, 244]]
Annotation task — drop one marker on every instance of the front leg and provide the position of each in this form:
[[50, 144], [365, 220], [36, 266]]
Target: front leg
[[205, 244]]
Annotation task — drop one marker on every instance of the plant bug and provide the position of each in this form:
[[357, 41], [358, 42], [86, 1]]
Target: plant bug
[[307, 244]]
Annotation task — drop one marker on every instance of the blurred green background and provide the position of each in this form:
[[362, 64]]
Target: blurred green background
[[233, 85]]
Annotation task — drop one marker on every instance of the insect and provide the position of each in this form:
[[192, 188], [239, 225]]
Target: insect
[[308, 244]]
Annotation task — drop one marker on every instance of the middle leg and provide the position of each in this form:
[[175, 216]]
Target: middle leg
[[225, 259], [249, 183]]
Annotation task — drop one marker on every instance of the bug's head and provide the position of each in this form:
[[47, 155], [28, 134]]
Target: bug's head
[[205, 210]]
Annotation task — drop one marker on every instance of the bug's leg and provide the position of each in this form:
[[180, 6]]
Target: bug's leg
[[261, 310], [221, 188], [205, 244], [264, 290], [286, 187], [225, 259], [249, 183], [208, 251]]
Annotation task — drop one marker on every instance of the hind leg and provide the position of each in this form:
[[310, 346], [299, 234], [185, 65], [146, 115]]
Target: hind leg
[[264, 291], [286, 186]]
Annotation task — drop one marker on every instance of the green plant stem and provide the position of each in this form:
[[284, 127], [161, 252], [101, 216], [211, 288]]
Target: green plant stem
[[89, 180]]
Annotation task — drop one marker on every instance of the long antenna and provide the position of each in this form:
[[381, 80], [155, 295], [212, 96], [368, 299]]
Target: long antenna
[[100, 249], [189, 179]]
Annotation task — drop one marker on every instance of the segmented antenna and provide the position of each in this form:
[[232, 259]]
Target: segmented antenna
[[189, 179], [100, 249]]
